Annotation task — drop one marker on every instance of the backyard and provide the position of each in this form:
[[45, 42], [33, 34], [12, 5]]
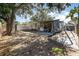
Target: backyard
[[39, 29], [33, 44]]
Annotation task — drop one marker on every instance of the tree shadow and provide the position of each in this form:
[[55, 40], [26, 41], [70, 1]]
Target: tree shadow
[[37, 48], [31, 47]]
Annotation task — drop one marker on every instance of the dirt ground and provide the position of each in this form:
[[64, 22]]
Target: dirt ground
[[29, 44]]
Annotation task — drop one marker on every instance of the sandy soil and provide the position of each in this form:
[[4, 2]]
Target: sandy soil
[[29, 44]]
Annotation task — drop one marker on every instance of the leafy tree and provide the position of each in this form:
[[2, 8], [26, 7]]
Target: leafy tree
[[42, 15], [71, 14], [8, 12], [43, 10]]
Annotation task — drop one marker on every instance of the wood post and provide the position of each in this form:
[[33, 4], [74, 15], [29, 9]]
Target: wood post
[[15, 28]]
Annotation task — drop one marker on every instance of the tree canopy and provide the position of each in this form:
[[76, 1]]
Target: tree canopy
[[72, 13], [8, 11]]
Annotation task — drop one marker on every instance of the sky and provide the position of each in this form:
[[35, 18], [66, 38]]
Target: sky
[[60, 16]]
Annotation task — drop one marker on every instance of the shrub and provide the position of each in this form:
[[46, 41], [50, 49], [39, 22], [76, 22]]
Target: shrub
[[57, 51]]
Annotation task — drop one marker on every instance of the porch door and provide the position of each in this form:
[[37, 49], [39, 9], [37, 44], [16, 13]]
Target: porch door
[[48, 27]]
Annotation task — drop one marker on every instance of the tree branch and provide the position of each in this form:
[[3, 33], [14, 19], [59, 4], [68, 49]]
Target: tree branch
[[19, 6]]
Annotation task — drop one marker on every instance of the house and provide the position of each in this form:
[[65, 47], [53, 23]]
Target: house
[[48, 26]]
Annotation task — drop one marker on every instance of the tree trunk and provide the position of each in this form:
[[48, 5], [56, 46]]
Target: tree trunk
[[78, 30], [78, 24], [9, 24], [78, 27]]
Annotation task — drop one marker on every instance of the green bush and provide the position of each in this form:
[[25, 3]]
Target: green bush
[[57, 51]]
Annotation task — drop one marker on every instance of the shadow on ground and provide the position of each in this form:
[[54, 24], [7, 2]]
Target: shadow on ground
[[25, 47]]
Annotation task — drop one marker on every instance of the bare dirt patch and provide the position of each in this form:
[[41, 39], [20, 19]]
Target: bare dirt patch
[[29, 44]]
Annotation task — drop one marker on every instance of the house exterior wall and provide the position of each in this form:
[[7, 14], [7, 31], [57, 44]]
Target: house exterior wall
[[55, 26]]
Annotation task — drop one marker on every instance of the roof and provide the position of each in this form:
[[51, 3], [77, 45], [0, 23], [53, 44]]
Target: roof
[[48, 21], [71, 23]]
